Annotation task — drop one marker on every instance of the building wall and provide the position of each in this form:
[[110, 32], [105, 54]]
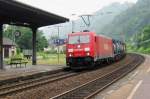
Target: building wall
[[11, 51], [3, 52]]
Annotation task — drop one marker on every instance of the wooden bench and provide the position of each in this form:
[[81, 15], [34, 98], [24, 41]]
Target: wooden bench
[[16, 61]]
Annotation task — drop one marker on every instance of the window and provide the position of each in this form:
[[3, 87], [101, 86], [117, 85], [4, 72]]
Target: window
[[84, 39], [79, 39]]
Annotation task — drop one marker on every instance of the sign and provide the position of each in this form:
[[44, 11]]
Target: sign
[[59, 41], [17, 33]]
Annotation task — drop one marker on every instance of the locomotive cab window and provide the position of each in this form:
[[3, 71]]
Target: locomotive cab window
[[79, 39]]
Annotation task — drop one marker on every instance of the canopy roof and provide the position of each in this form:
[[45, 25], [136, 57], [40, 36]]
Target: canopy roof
[[16, 13]]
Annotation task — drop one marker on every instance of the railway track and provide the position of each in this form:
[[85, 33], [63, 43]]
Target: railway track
[[52, 81], [91, 88], [35, 82]]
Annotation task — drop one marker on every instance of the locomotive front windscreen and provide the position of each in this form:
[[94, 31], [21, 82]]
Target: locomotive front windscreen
[[77, 39]]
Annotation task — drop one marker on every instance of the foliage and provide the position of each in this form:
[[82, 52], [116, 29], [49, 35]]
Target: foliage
[[20, 55], [142, 40], [42, 42], [51, 52], [25, 40], [130, 21]]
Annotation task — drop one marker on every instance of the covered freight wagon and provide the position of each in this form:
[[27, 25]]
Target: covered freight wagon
[[103, 47]]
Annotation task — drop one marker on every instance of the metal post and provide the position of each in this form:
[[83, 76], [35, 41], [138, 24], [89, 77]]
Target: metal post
[[72, 26], [73, 23], [34, 46], [58, 45], [58, 42], [1, 46]]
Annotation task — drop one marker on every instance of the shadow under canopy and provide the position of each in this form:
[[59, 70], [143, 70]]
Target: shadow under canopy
[[19, 14]]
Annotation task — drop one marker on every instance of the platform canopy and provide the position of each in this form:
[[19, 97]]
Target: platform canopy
[[16, 13]]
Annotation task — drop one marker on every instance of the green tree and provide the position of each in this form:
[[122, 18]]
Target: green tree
[[142, 39], [25, 40], [41, 41]]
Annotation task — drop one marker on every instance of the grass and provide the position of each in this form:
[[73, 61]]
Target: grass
[[52, 59], [46, 59]]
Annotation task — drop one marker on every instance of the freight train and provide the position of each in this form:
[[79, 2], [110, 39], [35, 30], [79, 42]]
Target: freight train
[[85, 49]]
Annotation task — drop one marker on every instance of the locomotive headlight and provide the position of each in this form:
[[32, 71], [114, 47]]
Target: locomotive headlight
[[70, 55], [87, 54], [87, 49], [70, 50]]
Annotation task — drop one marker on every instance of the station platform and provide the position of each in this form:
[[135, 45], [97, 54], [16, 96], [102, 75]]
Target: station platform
[[136, 85], [13, 72], [142, 89]]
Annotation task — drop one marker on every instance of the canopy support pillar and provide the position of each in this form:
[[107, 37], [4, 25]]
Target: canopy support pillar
[[34, 61], [1, 46]]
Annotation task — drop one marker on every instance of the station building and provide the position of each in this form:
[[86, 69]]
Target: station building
[[9, 48]]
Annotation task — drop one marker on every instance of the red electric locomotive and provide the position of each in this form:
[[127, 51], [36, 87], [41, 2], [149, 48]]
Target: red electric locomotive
[[85, 48]]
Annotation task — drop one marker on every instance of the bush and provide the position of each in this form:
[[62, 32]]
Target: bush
[[20, 55], [18, 50], [141, 49], [147, 51], [51, 52]]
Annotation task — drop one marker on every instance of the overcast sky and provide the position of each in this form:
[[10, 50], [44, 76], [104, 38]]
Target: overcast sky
[[68, 7]]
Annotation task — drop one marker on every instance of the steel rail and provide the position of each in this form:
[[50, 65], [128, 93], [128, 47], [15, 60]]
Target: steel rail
[[82, 91]]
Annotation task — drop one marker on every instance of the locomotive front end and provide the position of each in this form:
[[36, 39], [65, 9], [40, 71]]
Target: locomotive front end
[[80, 50]]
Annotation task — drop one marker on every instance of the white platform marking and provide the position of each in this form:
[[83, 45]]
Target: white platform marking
[[134, 90], [134, 74], [111, 91], [148, 70]]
